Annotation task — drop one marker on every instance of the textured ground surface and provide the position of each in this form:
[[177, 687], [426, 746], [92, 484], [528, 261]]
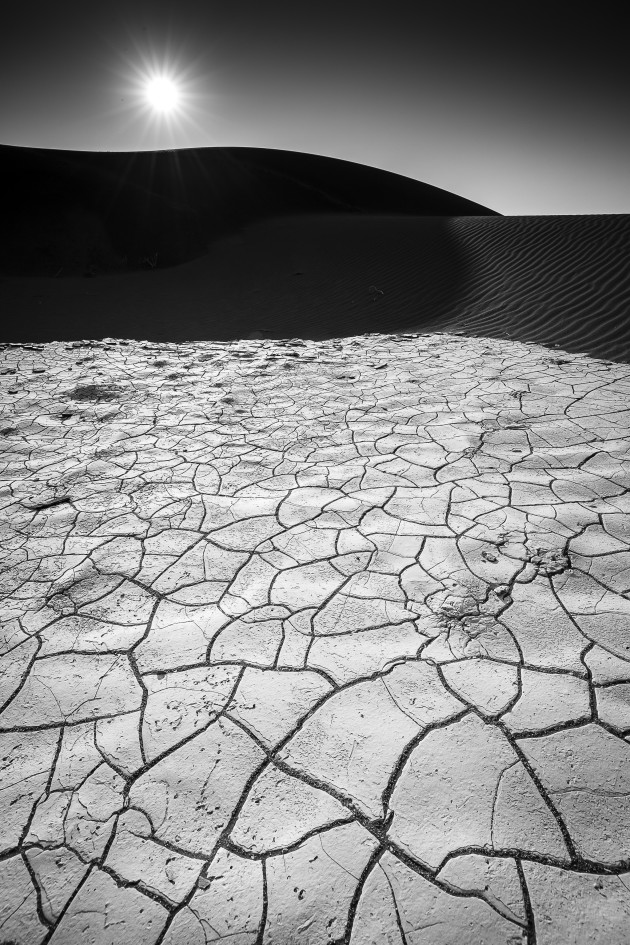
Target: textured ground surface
[[314, 642]]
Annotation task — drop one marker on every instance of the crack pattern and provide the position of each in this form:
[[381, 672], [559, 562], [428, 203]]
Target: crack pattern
[[316, 642]]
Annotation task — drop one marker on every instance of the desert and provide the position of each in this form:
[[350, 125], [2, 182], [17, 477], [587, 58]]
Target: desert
[[315, 585]]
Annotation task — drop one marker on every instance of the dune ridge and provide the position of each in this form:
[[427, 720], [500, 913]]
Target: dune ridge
[[66, 210]]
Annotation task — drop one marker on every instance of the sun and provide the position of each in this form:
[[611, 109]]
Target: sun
[[163, 94]]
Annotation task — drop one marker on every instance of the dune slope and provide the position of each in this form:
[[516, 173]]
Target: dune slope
[[67, 210], [223, 243], [561, 280]]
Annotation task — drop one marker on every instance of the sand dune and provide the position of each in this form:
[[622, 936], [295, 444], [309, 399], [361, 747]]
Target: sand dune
[[553, 280], [66, 210], [223, 243]]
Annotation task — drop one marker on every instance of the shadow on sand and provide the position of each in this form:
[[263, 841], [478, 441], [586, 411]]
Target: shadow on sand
[[217, 243]]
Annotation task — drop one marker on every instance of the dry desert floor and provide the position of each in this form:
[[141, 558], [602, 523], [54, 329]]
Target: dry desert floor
[[313, 642]]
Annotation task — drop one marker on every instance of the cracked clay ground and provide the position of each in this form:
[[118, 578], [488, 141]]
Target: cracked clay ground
[[314, 642]]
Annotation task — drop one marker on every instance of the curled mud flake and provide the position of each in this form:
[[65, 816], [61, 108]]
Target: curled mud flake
[[96, 392]]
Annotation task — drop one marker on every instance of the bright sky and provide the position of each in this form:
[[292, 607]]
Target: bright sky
[[520, 107]]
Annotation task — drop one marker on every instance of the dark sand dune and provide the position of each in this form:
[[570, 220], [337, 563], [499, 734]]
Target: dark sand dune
[[312, 276], [220, 243], [64, 211]]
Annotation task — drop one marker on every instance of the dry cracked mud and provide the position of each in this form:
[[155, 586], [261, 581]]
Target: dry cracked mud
[[314, 642]]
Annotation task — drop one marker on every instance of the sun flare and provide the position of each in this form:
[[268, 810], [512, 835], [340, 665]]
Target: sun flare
[[162, 96]]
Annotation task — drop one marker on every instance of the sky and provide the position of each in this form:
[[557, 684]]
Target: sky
[[522, 107]]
